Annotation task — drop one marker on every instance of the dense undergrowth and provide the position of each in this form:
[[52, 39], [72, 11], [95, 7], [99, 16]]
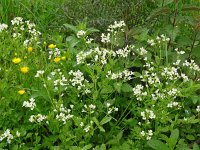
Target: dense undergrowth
[[80, 78]]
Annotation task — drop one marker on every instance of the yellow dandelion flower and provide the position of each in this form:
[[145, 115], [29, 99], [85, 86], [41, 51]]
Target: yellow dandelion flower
[[24, 69], [57, 59], [52, 46], [30, 49], [21, 92], [16, 60]]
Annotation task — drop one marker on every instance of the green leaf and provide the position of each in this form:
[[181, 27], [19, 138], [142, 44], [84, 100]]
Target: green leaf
[[126, 88], [89, 146], [98, 124], [95, 95], [71, 27], [117, 86], [157, 145], [119, 135], [195, 147], [190, 137], [173, 138], [108, 89], [105, 120]]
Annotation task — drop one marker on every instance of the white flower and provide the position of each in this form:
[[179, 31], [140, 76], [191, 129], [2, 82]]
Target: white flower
[[3, 27], [142, 133], [39, 73], [87, 129], [80, 33], [29, 104], [18, 134], [198, 108]]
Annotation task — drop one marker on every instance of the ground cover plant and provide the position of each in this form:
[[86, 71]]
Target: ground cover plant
[[116, 88]]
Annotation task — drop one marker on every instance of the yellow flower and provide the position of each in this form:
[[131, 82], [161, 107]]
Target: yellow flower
[[57, 59], [24, 69], [52, 46], [16, 60], [30, 49], [21, 92]]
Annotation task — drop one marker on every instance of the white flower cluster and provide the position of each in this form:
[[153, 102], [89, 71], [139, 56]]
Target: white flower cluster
[[179, 52], [39, 73], [151, 78], [81, 56], [141, 51], [17, 21], [87, 129], [162, 38], [89, 108], [58, 78], [170, 73], [198, 108], [105, 38], [80, 33], [173, 92], [3, 27], [7, 135], [78, 79], [126, 75], [100, 55], [117, 25], [96, 55], [64, 114], [37, 118], [123, 52], [20, 27], [173, 104], [111, 109], [157, 94], [138, 92], [54, 52], [158, 40], [148, 134], [147, 114], [151, 42], [191, 65], [29, 104], [61, 82]]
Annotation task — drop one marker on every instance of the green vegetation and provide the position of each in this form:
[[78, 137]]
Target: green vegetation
[[100, 74]]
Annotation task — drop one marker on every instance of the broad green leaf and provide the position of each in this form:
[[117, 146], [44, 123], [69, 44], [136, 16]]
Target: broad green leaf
[[106, 90], [89, 146], [195, 147], [105, 120], [190, 137], [117, 86], [119, 135], [173, 138], [126, 88], [157, 145], [71, 27]]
